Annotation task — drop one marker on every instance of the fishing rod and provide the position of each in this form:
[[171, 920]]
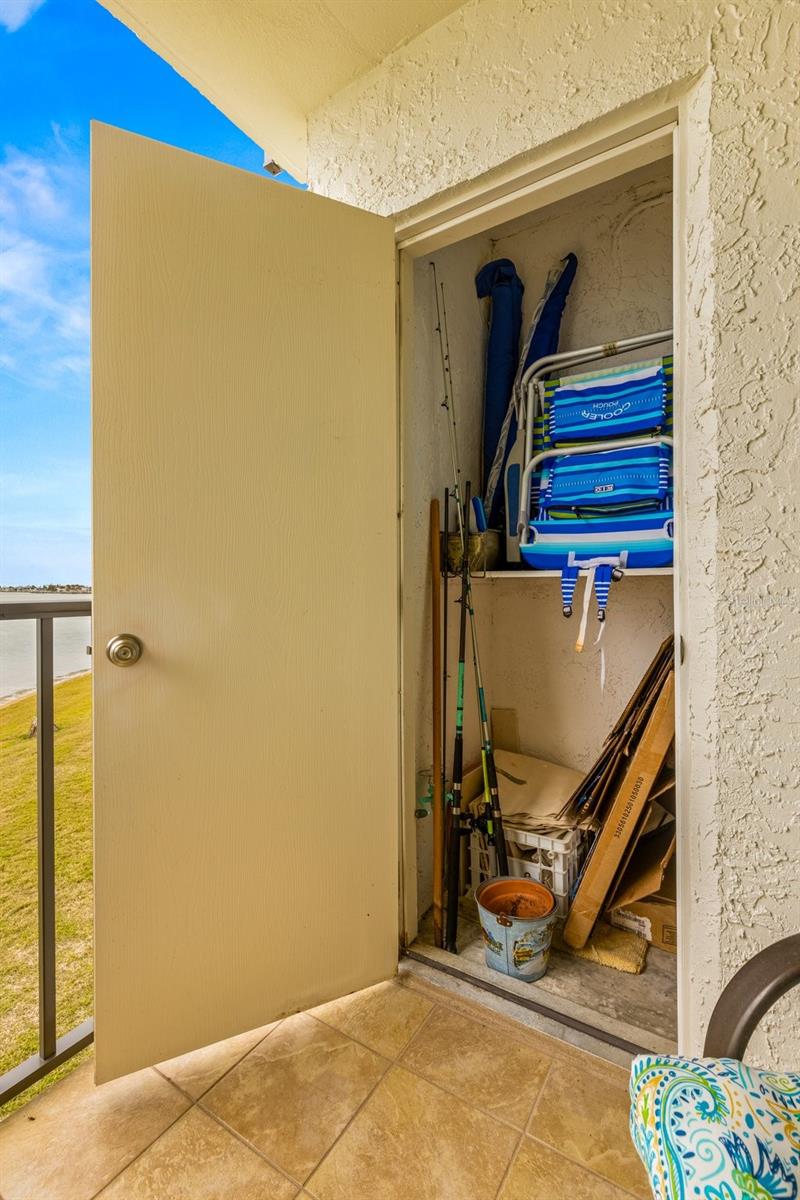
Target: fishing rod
[[437, 774], [492, 816], [445, 614], [456, 829]]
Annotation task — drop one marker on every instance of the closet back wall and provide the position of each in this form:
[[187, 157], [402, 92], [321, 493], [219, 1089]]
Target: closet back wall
[[622, 234]]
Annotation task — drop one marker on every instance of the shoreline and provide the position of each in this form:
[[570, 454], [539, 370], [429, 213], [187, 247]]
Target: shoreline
[[12, 699]]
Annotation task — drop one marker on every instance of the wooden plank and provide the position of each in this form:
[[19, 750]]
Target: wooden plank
[[664, 651], [623, 817]]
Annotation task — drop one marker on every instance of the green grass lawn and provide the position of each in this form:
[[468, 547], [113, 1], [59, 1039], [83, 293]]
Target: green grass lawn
[[18, 899]]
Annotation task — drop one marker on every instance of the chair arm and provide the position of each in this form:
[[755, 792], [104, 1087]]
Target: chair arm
[[752, 992]]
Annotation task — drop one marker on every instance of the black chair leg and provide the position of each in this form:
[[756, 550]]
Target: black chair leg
[[752, 992]]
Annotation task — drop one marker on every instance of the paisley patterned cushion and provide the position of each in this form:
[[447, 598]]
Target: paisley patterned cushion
[[714, 1129]]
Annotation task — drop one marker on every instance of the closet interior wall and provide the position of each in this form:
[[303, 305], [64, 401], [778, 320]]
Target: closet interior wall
[[621, 232]]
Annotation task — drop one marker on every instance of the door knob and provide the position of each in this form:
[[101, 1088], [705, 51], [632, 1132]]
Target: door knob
[[124, 650]]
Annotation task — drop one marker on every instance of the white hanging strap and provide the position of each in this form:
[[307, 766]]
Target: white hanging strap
[[587, 596], [602, 656]]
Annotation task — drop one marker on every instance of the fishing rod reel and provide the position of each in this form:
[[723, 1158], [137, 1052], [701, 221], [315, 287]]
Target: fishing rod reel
[[468, 823], [465, 819], [484, 824]]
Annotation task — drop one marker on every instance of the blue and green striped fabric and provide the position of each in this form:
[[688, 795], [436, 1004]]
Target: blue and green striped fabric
[[634, 477], [621, 402], [603, 383], [613, 503]]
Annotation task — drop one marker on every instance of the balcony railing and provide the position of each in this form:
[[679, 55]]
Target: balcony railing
[[53, 1050]]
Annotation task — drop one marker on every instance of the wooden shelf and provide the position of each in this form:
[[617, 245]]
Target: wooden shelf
[[529, 575]]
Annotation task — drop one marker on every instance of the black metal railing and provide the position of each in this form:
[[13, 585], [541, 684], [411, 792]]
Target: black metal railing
[[53, 1050]]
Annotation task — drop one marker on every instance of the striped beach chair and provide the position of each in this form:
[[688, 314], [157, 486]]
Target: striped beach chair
[[600, 477]]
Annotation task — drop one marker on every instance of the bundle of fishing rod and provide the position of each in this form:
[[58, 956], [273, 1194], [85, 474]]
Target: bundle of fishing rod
[[458, 822]]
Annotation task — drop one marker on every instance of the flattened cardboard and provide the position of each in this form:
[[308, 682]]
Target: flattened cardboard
[[623, 817], [654, 917], [647, 868], [597, 789], [532, 790], [638, 833], [664, 791]]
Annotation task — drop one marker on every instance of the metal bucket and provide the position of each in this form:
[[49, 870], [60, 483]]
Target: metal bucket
[[517, 919]]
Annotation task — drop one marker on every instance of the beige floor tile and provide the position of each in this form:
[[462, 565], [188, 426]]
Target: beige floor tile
[[480, 1063], [412, 1141], [198, 1070], [538, 1173], [74, 1138], [500, 1018], [196, 1159], [583, 1113], [384, 1017], [292, 1096]]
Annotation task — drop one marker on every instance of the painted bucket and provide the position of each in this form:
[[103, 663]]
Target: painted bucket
[[517, 919]]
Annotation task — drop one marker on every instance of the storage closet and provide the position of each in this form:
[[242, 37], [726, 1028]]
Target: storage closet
[[556, 704]]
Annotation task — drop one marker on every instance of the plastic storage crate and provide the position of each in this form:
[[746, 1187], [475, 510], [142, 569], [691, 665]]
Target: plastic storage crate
[[553, 858]]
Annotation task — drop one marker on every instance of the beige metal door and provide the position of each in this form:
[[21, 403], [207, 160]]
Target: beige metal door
[[245, 531]]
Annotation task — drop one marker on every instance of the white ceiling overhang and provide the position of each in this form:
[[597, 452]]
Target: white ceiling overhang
[[267, 64]]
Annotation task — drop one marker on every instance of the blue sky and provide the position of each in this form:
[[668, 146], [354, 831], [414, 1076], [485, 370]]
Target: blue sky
[[62, 64]]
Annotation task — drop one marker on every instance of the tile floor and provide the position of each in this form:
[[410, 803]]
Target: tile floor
[[641, 1009], [400, 1091]]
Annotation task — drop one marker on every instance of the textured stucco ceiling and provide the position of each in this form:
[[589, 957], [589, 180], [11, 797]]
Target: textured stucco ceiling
[[268, 63]]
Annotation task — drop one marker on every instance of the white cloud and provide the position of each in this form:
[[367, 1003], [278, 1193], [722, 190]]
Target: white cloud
[[23, 266], [14, 13], [26, 181], [48, 191], [44, 268], [22, 487], [44, 360]]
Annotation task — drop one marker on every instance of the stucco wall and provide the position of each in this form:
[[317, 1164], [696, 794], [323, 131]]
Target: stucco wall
[[501, 77]]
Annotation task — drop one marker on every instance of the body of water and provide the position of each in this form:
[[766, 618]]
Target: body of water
[[71, 636]]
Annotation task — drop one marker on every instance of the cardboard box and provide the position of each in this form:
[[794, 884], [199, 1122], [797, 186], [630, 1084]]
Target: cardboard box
[[655, 918], [644, 902]]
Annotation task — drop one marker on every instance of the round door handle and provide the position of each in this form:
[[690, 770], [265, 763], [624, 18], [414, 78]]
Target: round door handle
[[124, 650]]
